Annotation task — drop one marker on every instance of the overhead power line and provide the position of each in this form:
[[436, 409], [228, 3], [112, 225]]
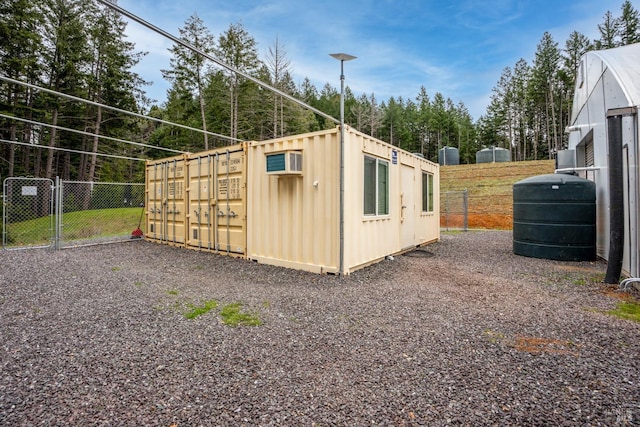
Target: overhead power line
[[115, 156], [108, 107], [81, 132], [214, 59]]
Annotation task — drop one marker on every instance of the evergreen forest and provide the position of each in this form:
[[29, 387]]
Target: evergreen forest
[[79, 48]]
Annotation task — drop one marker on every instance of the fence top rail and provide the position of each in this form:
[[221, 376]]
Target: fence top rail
[[101, 183]]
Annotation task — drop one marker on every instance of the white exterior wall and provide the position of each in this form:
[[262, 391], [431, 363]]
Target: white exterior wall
[[609, 80], [371, 238]]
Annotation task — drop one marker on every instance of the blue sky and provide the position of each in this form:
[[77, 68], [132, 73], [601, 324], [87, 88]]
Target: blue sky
[[457, 48]]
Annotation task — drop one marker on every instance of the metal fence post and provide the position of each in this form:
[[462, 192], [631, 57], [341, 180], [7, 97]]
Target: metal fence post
[[465, 206]]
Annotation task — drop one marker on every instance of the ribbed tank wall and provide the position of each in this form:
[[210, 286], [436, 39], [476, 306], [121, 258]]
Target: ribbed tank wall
[[554, 217], [449, 156], [493, 154]]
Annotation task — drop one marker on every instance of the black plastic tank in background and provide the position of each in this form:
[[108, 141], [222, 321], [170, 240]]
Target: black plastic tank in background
[[554, 217]]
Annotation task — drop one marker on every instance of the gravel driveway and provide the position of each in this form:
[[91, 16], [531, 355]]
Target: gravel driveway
[[461, 332]]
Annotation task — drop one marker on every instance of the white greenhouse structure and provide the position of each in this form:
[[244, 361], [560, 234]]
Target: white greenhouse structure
[[603, 147]]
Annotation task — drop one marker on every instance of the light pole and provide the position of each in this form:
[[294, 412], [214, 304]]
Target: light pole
[[342, 57]]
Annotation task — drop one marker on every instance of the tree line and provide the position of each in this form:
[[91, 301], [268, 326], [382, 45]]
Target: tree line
[[79, 48], [531, 103]]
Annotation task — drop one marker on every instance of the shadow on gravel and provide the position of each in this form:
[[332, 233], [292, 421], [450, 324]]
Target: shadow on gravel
[[419, 253]]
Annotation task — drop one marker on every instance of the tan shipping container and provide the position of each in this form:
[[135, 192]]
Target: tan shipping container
[[293, 215], [217, 200], [278, 201], [166, 199]]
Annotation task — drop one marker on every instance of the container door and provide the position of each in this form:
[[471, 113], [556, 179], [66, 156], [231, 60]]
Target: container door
[[202, 201], [217, 197], [166, 201], [407, 207], [230, 209]]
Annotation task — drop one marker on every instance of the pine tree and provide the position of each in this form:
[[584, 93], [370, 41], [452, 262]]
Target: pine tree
[[543, 90], [188, 69], [65, 57], [111, 82], [20, 44], [238, 49], [279, 66], [629, 24], [608, 32]]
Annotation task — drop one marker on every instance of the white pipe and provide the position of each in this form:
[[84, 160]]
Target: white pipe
[[579, 169]]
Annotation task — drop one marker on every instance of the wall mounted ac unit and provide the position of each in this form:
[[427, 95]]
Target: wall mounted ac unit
[[284, 163]]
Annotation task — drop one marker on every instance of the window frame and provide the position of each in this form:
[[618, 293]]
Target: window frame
[[427, 192], [375, 187]]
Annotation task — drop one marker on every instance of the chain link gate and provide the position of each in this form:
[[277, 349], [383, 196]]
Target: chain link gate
[[455, 212], [39, 213], [27, 219], [91, 213]]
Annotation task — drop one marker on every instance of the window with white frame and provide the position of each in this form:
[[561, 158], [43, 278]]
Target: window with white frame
[[427, 192], [376, 186]]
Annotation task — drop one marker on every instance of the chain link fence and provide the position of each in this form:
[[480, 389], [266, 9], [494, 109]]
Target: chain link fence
[[92, 212], [454, 212], [41, 213], [27, 214]]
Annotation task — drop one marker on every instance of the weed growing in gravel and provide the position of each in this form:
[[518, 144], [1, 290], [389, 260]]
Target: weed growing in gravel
[[195, 311], [493, 336], [138, 284], [627, 310], [115, 268], [232, 316], [172, 291]]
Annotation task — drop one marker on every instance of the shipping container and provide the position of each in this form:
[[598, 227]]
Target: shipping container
[[391, 201], [199, 200], [166, 200], [279, 201], [217, 200]]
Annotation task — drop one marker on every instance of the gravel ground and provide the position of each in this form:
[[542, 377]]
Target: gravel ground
[[461, 332]]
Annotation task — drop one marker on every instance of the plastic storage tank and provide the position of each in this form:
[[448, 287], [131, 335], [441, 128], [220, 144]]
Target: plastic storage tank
[[448, 156], [493, 154], [554, 217]]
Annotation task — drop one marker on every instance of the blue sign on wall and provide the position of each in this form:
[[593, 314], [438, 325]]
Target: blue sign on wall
[[394, 157]]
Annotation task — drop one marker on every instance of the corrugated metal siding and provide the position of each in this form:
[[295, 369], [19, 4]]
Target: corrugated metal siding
[[217, 200], [166, 200], [199, 200], [225, 201], [293, 220]]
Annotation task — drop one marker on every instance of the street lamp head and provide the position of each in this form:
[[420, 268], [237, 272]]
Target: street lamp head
[[342, 56]]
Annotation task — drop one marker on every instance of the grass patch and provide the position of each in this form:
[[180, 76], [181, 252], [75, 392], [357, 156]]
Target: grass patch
[[77, 225], [627, 310], [232, 316], [138, 284], [581, 281], [195, 311], [172, 292]]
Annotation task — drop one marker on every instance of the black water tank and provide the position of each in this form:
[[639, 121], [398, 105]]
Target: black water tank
[[554, 217]]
